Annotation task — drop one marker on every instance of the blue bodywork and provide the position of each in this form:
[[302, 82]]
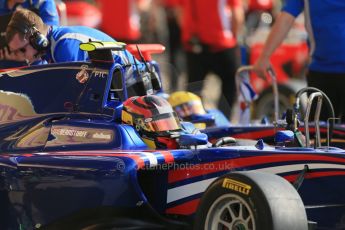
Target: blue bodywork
[[67, 162]]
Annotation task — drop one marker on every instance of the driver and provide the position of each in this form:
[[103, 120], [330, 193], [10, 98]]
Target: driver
[[189, 107], [154, 119]]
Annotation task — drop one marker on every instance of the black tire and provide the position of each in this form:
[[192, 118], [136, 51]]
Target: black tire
[[267, 201], [264, 105]]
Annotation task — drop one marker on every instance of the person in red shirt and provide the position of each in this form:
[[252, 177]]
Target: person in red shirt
[[121, 18], [209, 31], [260, 5], [259, 13]]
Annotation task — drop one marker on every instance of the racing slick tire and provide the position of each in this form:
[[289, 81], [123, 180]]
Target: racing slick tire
[[251, 201], [264, 105]]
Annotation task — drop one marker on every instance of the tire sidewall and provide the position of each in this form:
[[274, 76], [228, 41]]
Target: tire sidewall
[[255, 199], [286, 98]]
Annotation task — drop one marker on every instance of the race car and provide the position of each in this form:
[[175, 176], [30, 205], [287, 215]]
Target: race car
[[212, 122], [68, 161]]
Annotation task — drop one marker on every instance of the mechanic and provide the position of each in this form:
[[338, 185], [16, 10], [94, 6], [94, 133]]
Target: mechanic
[[325, 25], [45, 8], [32, 40], [209, 30]]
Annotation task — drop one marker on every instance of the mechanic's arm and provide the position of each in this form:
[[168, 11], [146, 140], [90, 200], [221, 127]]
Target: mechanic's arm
[[237, 19], [277, 34]]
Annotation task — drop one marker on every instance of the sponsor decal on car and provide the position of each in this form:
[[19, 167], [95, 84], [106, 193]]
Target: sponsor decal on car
[[70, 135], [236, 186], [68, 132], [101, 136], [100, 74]]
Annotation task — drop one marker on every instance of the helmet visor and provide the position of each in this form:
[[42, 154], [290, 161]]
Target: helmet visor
[[163, 122], [189, 108]]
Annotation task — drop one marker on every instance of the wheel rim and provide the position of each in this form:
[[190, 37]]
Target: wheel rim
[[230, 212]]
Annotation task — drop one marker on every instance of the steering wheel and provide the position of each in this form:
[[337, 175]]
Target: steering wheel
[[224, 141]]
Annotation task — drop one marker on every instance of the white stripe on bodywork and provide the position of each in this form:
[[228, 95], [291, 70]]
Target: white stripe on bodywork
[[191, 189], [297, 167], [188, 190], [8, 165], [152, 158]]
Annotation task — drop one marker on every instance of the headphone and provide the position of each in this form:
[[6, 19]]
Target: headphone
[[36, 39]]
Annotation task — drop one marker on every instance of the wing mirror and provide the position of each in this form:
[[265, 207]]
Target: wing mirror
[[193, 139]]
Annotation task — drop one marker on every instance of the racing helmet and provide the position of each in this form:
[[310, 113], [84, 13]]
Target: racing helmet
[[189, 107], [154, 119]]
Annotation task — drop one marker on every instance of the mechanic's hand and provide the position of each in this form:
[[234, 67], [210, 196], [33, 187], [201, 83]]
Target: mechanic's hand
[[5, 54], [261, 66], [82, 76]]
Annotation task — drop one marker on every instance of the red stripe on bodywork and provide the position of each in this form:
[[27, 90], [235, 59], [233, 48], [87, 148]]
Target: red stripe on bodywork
[[271, 132], [324, 130], [168, 157], [255, 134], [187, 208], [226, 165], [11, 69]]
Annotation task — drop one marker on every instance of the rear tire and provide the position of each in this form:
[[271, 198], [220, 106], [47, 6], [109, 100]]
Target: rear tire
[[264, 105]]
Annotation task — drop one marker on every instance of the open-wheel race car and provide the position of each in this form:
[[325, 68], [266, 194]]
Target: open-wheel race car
[[68, 162]]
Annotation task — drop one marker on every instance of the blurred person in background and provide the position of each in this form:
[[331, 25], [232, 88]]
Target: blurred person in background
[[325, 25], [173, 43], [258, 10], [81, 13], [209, 36], [121, 18], [46, 9]]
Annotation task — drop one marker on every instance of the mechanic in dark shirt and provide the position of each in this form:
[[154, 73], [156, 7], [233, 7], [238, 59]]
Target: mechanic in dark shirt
[[45, 8]]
